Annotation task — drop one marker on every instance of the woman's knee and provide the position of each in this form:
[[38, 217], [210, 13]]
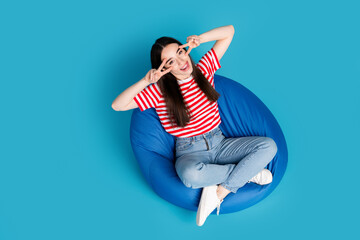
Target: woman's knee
[[190, 174], [270, 145]]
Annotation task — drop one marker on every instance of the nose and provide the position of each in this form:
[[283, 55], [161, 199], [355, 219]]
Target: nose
[[181, 63]]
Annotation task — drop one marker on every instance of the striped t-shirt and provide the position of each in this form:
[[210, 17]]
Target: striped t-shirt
[[204, 115]]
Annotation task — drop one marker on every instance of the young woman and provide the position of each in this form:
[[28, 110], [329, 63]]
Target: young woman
[[184, 96]]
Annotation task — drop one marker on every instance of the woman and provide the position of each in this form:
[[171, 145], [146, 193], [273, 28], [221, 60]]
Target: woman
[[184, 96]]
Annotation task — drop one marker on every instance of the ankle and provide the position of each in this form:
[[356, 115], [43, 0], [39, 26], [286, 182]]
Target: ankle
[[221, 192]]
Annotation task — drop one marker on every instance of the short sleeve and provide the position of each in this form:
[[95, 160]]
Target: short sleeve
[[148, 97], [209, 63]]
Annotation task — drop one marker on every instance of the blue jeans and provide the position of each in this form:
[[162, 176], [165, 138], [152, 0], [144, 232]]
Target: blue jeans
[[210, 159]]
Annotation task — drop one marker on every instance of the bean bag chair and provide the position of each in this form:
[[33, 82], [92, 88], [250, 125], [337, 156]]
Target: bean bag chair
[[242, 114]]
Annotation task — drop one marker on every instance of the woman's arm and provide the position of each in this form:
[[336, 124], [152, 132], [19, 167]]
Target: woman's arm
[[222, 35], [125, 101]]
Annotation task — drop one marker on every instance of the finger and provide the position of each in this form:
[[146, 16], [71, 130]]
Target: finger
[[162, 64], [156, 76], [152, 76], [190, 39], [184, 45], [198, 42], [188, 51], [195, 42], [166, 71]]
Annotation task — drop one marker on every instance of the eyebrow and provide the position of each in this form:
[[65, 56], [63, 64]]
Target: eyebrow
[[170, 58]]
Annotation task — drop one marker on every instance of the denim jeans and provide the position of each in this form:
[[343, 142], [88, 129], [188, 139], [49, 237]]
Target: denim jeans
[[210, 159]]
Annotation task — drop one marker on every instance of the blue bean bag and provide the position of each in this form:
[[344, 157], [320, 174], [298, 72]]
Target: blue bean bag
[[242, 114]]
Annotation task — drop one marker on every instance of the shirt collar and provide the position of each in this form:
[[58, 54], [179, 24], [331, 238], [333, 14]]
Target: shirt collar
[[185, 80]]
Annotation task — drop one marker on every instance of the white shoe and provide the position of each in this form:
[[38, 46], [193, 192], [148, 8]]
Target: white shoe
[[262, 178], [208, 202]]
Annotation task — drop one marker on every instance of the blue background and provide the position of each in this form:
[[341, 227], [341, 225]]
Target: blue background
[[67, 170]]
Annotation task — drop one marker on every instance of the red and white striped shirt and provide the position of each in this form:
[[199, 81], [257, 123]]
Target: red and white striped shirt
[[204, 115]]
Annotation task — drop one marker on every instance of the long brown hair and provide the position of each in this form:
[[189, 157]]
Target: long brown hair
[[170, 88]]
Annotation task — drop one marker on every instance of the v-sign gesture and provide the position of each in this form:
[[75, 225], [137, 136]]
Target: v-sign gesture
[[193, 41], [155, 74]]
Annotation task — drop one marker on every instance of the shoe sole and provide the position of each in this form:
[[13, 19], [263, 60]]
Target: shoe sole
[[201, 205]]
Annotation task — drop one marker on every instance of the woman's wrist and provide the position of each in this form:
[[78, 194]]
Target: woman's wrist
[[201, 39], [144, 81]]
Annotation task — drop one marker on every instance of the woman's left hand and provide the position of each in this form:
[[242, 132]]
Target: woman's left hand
[[193, 41]]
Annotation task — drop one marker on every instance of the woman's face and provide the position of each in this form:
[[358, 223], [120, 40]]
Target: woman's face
[[180, 62]]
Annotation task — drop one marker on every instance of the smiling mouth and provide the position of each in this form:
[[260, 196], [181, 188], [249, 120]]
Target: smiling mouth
[[186, 67]]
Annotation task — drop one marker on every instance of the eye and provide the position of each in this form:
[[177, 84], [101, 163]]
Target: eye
[[170, 62], [181, 51]]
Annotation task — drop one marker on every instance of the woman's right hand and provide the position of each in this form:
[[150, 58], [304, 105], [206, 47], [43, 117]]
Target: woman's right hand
[[155, 74]]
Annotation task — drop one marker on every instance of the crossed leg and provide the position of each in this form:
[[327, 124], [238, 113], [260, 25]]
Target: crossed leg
[[231, 163]]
